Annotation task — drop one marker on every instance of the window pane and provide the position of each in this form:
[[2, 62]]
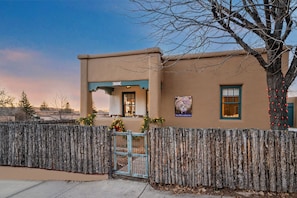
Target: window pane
[[225, 92], [236, 92], [230, 102], [230, 110], [230, 99], [230, 92]]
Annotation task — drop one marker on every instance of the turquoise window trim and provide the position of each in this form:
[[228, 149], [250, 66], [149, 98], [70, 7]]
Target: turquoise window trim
[[222, 87], [109, 86]]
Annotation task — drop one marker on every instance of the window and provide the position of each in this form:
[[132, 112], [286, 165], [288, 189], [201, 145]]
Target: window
[[230, 102], [128, 104]]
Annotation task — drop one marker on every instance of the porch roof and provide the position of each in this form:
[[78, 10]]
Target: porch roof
[[108, 87]]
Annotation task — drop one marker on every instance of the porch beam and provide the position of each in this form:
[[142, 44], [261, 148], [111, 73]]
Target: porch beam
[[93, 86]]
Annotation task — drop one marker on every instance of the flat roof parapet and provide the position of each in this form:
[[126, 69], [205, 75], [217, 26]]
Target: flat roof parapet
[[210, 54], [117, 54]]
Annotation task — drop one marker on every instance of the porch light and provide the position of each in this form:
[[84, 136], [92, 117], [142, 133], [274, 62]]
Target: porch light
[[128, 87]]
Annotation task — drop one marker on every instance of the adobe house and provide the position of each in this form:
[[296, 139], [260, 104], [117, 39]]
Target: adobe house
[[210, 90]]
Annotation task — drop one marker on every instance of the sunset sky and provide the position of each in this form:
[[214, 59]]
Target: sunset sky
[[40, 41]]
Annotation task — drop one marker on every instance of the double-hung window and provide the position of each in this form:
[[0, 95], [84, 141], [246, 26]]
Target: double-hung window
[[231, 102]]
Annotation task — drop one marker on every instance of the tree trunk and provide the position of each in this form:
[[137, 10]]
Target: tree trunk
[[277, 94]]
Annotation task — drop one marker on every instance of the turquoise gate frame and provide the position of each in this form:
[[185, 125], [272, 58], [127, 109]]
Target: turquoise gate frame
[[129, 170]]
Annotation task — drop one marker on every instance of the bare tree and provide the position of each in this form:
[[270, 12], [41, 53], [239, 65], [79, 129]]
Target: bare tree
[[194, 24], [6, 104], [5, 99], [61, 103]]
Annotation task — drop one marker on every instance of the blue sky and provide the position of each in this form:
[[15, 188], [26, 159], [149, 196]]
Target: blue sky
[[40, 41]]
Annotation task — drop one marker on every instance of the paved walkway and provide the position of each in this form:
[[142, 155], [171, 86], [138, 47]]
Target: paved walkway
[[114, 188]]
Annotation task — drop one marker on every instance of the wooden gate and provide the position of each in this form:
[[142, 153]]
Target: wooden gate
[[130, 154]]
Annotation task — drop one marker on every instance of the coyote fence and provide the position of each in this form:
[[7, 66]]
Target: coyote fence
[[71, 148], [238, 159]]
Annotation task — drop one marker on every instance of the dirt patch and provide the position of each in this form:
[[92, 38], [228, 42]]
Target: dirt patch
[[121, 162], [22, 173], [222, 192]]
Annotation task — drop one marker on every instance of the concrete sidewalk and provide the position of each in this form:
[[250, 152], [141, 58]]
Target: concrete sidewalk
[[115, 188]]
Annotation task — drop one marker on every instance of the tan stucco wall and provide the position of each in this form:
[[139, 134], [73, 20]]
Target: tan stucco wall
[[133, 124], [201, 78], [134, 65], [125, 66], [154, 93]]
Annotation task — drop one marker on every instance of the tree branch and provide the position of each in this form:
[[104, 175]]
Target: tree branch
[[244, 45], [292, 71]]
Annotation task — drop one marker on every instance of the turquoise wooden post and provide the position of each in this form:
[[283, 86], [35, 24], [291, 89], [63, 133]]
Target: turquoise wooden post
[[115, 154], [146, 155], [129, 145]]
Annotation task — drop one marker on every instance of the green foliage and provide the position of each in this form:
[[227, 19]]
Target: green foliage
[[118, 125], [147, 121], [88, 121], [26, 107], [146, 124], [159, 120]]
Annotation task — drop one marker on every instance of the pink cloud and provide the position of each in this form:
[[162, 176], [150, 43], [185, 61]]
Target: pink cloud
[[40, 77], [15, 56], [39, 90], [43, 78]]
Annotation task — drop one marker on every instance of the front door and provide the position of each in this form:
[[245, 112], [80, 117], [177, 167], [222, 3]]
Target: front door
[[128, 104]]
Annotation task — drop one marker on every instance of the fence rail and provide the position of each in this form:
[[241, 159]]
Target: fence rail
[[242, 159], [71, 148]]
